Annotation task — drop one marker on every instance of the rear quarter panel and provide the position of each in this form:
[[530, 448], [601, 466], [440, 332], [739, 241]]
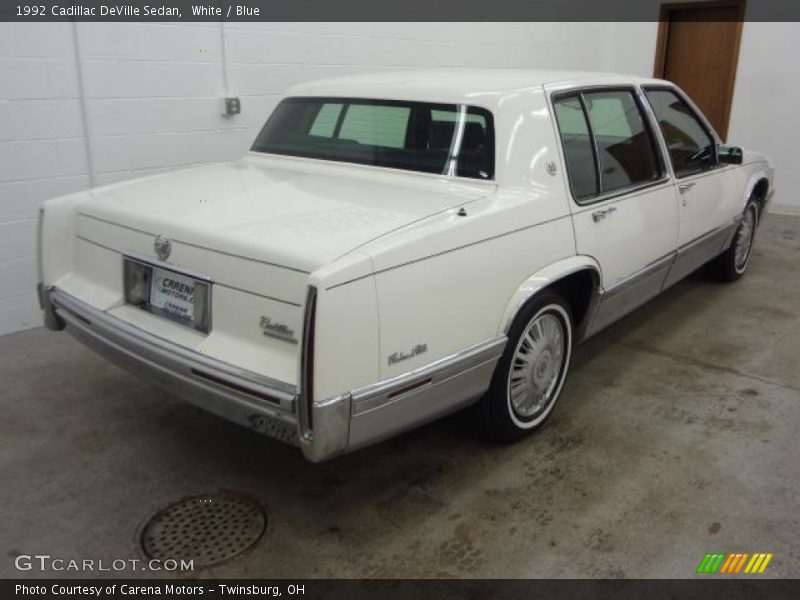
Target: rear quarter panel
[[456, 299], [445, 283]]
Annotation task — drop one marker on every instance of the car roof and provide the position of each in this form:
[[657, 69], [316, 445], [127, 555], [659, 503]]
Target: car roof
[[463, 85]]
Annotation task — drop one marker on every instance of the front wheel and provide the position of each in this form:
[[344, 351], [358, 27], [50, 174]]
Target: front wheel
[[732, 264], [529, 376]]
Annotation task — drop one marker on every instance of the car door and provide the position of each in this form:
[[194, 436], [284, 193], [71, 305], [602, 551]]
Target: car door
[[705, 189], [623, 210]]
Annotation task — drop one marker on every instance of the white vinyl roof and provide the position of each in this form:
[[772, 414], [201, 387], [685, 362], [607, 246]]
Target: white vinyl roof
[[453, 85]]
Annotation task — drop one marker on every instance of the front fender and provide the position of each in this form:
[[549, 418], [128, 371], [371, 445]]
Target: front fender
[[544, 278], [760, 170]]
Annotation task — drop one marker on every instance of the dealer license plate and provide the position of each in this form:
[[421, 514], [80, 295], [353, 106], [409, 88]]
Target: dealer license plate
[[173, 293], [168, 293]]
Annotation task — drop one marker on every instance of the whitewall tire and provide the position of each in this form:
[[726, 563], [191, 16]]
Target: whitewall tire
[[733, 263], [530, 375]]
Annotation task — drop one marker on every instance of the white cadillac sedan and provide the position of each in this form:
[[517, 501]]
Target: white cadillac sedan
[[396, 247]]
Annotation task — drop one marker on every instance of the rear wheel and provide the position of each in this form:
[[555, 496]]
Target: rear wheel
[[529, 376], [732, 264]]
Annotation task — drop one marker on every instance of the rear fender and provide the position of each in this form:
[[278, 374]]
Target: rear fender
[[547, 277]]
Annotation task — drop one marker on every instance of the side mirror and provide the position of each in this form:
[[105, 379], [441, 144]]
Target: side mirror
[[730, 155]]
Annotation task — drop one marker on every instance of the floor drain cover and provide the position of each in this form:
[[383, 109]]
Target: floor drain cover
[[205, 529]]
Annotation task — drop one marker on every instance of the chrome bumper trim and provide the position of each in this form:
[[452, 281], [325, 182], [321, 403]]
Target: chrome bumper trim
[[51, 320], [247, 398], [151, 346], [331, 434]]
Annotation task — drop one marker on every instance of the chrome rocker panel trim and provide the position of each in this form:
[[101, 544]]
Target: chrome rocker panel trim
[[695, 253], [624, 297], [388, 407]]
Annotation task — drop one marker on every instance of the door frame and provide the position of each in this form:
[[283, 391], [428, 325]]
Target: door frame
[[663, 37]]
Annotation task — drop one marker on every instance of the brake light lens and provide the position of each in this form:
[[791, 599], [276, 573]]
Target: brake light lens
[[307, 360]]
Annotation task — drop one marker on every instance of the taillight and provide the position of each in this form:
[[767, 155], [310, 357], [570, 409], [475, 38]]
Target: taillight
[[307, 358]]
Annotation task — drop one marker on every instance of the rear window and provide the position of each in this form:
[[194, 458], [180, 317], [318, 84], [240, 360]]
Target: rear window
[[447, 139]]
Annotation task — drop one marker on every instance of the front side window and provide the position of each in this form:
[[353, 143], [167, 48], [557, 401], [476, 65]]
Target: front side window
[[691, 148], [607, 144], [447, 139]]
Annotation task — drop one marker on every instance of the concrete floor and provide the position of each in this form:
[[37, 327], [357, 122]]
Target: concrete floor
[[676, 435]]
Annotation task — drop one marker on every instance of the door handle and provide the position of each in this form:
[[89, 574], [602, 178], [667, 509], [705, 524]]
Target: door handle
[[685, 187], [602, 213]]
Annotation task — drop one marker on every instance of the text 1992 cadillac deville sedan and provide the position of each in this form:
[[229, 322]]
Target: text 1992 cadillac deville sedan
[[398, 246]]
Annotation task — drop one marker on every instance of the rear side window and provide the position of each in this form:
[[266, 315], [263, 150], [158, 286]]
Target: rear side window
[[607, 144], [578, 149], [448, 139], [691, 147]]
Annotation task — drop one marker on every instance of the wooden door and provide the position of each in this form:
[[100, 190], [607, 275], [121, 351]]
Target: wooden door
[[698, 49]]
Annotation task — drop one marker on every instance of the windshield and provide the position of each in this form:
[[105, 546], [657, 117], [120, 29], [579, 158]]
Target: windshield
[[447, 139]]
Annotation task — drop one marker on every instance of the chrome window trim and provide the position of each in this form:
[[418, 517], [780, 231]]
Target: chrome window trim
[[656, 129], [629, 192], [655, 135], [451, 166], [447, 172]]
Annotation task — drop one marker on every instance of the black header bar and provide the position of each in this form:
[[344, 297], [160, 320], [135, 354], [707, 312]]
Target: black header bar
[[366, 10]]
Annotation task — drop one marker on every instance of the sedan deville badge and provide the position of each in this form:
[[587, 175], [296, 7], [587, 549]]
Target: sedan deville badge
[[277, 330], [396, 357]]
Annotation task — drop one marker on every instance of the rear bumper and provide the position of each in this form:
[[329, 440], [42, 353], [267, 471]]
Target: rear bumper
[[352, 420], [249, 399]]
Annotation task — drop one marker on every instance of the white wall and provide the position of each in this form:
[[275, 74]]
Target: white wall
[[150, 95], [93, 103], [766, 99], [764, 114]]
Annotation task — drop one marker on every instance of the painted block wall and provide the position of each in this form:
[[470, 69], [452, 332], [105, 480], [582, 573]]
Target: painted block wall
[[92, 103], [766, 95]]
